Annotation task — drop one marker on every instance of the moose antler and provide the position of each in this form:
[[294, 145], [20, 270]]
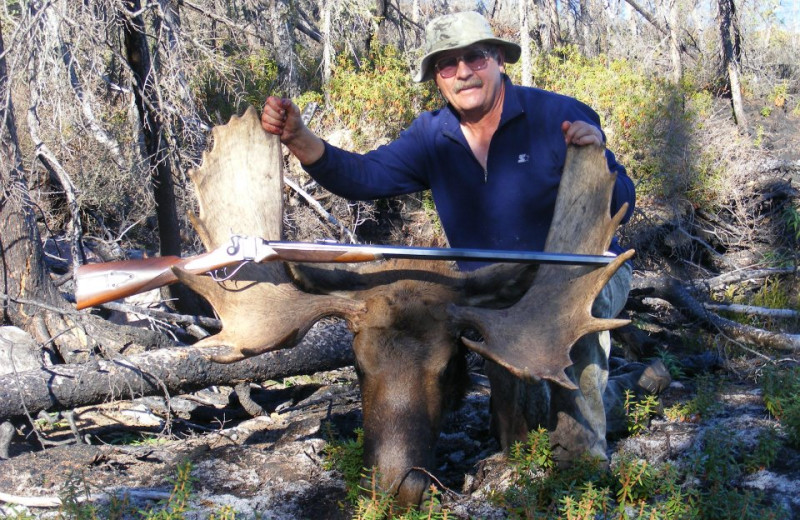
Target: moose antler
[[239, 189], [533, 337]]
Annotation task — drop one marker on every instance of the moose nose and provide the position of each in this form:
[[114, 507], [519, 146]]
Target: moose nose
[[412, 488]]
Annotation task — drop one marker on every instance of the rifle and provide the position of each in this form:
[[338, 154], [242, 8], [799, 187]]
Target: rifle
[[103, 282]]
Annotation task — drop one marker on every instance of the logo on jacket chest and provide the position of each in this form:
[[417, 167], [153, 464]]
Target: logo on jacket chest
[[523, 158]]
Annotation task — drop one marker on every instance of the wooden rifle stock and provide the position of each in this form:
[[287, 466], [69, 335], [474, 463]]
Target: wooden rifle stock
[[101, 283], [104, 282]]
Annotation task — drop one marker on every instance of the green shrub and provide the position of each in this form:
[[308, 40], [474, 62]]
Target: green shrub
[[377, 97], [765, 452], [640, 411], [346, 456], [643, 116], [781, 389], [239, 78]]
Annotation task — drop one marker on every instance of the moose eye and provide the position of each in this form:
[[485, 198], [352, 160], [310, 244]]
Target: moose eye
[[359, 370]]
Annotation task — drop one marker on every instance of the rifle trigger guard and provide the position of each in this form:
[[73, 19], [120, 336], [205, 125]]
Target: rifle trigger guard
[[225, 276]]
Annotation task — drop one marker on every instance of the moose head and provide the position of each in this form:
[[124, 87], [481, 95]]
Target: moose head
[[407, 316]]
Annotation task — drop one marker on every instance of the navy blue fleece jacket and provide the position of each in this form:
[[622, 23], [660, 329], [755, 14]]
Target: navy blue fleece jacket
[[507, 206]]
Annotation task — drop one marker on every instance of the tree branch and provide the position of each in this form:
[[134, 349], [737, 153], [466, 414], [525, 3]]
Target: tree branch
[[672, 290]]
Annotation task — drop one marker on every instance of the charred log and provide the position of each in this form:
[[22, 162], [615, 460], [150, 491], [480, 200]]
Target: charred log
[[165, 371]]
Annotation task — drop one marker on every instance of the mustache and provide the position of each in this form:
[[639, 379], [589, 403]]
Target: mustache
[[458, 86]]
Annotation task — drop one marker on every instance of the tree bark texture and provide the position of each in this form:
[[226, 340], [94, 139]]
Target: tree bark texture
[[671, 9], [730, 47], [147, 103], [22, 270], [554, 26], [169, 371], [525, 42]]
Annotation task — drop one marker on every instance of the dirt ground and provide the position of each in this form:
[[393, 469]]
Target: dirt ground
[[272, 466]]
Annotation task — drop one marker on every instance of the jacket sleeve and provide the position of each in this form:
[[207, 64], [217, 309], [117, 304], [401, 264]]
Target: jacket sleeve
[[624, 190], [393, 169]]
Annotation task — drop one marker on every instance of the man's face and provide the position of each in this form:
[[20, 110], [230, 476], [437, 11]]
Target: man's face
[[470, 78]]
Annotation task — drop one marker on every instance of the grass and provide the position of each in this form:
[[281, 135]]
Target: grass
[[637, 489]]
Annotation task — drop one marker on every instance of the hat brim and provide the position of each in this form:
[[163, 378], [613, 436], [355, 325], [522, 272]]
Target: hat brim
[[511, 52]]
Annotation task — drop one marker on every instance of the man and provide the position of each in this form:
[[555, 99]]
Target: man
[[493, 159]]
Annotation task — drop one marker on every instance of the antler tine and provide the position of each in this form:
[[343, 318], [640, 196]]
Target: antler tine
[[239, 189]]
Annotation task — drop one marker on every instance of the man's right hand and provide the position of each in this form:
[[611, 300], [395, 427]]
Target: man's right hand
[[281, 117]]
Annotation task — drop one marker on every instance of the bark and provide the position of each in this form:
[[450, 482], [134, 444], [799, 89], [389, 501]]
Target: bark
[[752, 310], [730, 47], [327, 48], [676, 293], [746, 275], [379, 20], [554, 26], [674, 41], [170, 370], [282, 22], [36, 73], [525, 42], [150, 118]]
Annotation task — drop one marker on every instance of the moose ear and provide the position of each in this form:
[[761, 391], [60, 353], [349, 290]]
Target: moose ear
[[533, 338]]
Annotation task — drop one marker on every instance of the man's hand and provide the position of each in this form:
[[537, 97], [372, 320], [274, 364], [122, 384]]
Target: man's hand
[[581, 133], [281, 117]]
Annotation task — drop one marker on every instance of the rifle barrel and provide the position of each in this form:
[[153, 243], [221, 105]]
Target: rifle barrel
[[297, 251]]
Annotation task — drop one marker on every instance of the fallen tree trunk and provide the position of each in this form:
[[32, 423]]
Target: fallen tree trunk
[[743, 275], [676, 293], [752, 310], [165, 371]]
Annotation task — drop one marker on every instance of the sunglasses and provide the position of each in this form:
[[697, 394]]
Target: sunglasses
[[476, 59]]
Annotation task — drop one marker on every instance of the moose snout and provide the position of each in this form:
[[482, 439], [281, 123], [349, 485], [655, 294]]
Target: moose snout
[[412, 488]]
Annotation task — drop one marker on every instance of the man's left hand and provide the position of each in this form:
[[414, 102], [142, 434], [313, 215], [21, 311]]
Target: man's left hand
[[581, 133]]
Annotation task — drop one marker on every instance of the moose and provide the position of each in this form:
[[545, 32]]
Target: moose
[[408, 316]]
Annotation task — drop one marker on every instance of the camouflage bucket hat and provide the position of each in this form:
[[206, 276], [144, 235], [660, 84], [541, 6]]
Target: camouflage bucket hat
[[456, 31]]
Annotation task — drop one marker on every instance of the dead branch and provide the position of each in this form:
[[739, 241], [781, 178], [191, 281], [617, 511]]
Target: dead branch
[[745, 275], [55, 501], [752, 310], [316, 206], [223, 19], [180, 319], [676, 293]]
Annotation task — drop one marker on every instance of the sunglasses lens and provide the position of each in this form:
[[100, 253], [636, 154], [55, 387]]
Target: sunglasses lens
[[447, 67], [476, 60]]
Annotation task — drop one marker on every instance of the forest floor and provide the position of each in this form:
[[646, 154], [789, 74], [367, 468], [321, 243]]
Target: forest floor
[[274, 466]]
